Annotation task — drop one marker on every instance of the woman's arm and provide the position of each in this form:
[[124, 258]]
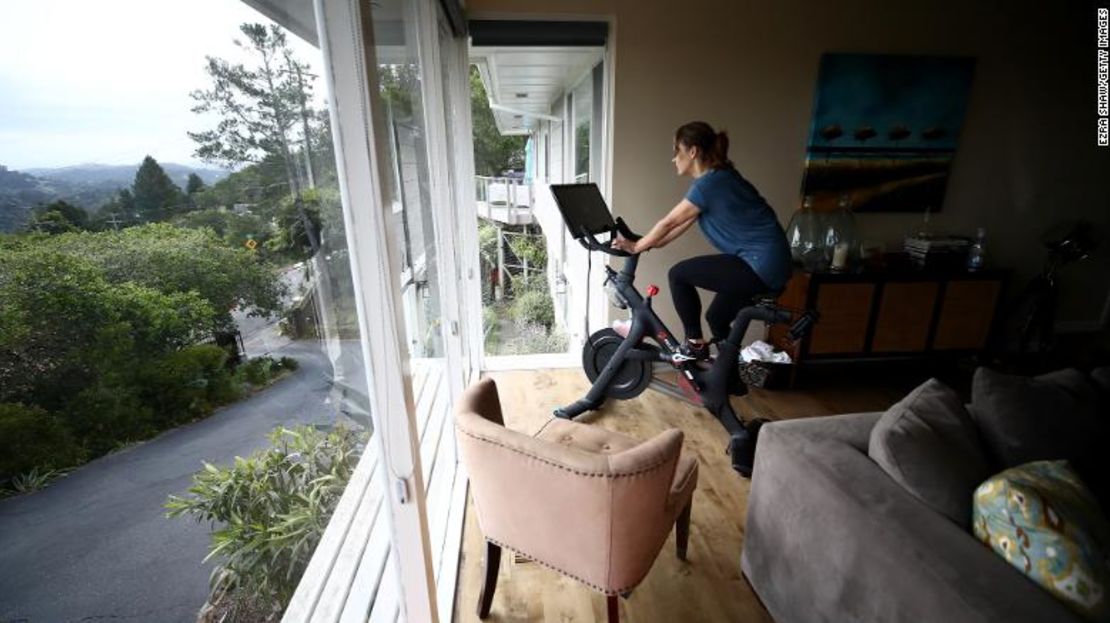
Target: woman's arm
[[671, 226], [675, 233]]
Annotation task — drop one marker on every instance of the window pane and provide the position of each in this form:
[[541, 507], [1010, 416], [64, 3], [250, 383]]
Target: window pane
[[583, 117], [180, 302]]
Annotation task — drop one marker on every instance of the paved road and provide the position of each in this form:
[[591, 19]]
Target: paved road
[[96, 545]]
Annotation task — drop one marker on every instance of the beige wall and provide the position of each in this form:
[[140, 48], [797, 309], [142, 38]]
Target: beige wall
[[1027, 155]]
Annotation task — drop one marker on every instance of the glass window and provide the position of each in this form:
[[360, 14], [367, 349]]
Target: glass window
[[186, 300], [583, 120]]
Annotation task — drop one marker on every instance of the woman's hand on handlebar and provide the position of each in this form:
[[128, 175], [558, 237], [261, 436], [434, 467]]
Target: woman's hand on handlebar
[[624, 244]]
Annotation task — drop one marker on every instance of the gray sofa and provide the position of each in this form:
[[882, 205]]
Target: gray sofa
[[831, 537]]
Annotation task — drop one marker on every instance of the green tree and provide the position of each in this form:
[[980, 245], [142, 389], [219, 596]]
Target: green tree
[[177, 260], [194, 185], [64, 327], [259, 108], [156, 196], [493, 153], [57, 217]]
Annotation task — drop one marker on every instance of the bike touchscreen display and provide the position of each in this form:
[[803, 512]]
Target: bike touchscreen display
[[583, 209]]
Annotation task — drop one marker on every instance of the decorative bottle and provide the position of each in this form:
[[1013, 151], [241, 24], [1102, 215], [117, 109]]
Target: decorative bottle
[[840, 236], [804, 236], [976, 256]]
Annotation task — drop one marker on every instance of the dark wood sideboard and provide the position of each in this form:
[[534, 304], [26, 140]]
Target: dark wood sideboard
[[892, 313]]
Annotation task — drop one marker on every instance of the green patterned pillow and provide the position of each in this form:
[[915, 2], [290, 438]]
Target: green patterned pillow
[[1043, 520]]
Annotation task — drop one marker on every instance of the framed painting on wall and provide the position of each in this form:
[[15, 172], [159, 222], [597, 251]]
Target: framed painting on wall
[[885, 130]]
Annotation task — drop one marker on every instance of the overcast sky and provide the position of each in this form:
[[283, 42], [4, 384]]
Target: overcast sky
[[109, 81]]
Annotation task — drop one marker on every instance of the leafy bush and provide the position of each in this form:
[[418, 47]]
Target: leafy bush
[[533, 306], [272, 508], [189, 383], [31, 438], [533, 339], [261, 371], [102, 415]]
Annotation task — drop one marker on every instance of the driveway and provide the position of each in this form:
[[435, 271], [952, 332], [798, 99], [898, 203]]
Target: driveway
[[96, 545]]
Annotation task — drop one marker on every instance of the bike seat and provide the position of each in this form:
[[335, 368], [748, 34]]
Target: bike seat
[[767, 298]]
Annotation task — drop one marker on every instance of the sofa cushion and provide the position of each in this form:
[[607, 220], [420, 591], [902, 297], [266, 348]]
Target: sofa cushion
[[1101, 377], [1048, 417], [1043, 521], [927, 443]]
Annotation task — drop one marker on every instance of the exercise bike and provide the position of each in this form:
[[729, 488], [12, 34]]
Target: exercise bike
[[621, 366]]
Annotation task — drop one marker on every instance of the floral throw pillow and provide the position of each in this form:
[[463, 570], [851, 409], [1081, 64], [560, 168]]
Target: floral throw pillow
[[1043, 521]]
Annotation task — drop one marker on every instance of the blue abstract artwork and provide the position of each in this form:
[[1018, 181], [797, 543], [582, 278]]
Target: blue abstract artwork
[[885, 129]]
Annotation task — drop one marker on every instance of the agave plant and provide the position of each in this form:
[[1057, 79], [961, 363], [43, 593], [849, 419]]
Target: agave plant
[[34, 480]]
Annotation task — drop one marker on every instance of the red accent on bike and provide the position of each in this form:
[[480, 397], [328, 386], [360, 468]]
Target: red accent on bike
[[652, 290]]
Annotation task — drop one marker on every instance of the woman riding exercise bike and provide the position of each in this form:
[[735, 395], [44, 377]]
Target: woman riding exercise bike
[[754, 256]]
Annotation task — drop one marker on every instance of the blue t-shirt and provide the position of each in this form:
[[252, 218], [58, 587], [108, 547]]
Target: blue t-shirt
[[738, 221]]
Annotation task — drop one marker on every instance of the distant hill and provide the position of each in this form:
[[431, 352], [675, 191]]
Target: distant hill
[[85, 185], [123, 174], [19, 192]]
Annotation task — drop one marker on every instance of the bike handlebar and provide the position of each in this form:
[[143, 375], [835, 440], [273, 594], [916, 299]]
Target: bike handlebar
[[591, 243]]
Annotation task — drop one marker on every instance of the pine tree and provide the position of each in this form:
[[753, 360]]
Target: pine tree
[[155, 194], [194, 185], [259, 108]]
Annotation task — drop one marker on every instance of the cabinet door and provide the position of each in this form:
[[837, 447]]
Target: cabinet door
[[845, 309], [966, 315], [905, 313]]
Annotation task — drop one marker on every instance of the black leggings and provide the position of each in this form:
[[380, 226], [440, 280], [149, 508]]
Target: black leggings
[[729, 276]]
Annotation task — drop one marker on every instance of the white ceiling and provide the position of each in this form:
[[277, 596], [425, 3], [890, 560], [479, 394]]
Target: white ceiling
[[523, 82]]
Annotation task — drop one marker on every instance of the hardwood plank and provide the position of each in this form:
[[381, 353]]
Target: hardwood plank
[[342, 575], [306, 597], [707, 587], [387, 604], [371, 572]]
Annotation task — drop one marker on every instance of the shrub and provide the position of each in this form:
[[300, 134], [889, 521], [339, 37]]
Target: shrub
[[189, 383], [272, 508], [31, 439], [261, 371], [532, 340], [102, 415], [533, 306]]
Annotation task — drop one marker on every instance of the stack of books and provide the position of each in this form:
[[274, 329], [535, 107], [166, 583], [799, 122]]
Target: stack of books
[[932, 251]]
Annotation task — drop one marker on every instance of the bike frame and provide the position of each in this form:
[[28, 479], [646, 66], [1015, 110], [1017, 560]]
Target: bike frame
[[711, 385]]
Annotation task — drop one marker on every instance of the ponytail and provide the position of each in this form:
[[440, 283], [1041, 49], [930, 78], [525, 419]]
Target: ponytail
[[712, 146], [719, 153]]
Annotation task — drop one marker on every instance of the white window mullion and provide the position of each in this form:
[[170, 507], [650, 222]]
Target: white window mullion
[[346, 37], [467, 209], [443, 219]]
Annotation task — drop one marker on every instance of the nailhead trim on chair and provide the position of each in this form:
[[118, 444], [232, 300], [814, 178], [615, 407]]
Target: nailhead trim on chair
[[569, 574], [541, 459]]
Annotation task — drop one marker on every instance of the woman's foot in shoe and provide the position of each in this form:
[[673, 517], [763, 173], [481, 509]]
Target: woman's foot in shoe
[[698, 351]]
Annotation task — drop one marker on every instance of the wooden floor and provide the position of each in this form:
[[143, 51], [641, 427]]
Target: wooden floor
[[708, 586]]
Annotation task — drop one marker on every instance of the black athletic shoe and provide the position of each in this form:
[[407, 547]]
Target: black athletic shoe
[[699, 352]]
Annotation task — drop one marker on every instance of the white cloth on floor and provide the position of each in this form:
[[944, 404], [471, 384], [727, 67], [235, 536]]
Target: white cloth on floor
[[762, 351]]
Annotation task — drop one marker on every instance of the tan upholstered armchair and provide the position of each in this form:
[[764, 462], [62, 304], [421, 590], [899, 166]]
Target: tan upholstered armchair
[[589, 503]]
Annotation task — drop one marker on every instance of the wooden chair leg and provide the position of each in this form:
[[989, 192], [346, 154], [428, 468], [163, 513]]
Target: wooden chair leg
[[614, 609], [491, 565], [682, 531]]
